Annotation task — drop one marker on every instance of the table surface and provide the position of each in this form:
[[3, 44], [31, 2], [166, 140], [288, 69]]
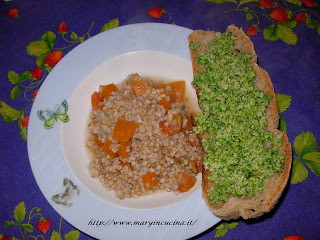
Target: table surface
[[288, 47]]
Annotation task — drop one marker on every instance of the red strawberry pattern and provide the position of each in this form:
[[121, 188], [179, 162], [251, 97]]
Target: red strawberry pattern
[[34, 94], [53, 58], [36, 73], [294, 237], [308, 3], [266, 4], [25, 121], [301, 17], [156, 12], [5, 238], [13, 12], [62, 27], [252, 30], [43, 225], [279, 15]]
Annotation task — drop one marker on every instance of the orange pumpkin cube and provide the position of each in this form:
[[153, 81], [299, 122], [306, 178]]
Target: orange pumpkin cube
[[106, 90], [97, 141], [187, 181], [149, 180], [139, 87], [124, 130], [167, 100], [188, 125], [123, 149], [178, 90], [193, 165], [160, 86], [123, 164], [107, 150], [173, 127], [96, 100]]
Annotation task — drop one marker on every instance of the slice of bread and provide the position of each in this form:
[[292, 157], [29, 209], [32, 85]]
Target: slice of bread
[[247, 207]]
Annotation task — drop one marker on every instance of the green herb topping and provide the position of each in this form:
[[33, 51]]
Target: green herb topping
[[194, 46], [241, 155]]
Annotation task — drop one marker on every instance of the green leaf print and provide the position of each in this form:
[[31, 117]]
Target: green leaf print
[[241, 2], [249, 16], [74, 36], [287, 35], [282, 124], [72, 235], [222, 1], [15, 92], [40, 60], [25, 76], [37, 48], [222, 229], [304, 143], [271, 33], [20, 212], [49, 38], [312, 159], [55, 236], [297, 2], [8, 113], [312, 23], [9, 224], [299, 173], [28, 227], [284, 101], [232, 225], [13, 77], [292, 23], [109, 25]]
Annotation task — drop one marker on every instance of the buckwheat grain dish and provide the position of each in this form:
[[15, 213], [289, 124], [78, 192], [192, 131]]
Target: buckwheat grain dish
[[141, 138]]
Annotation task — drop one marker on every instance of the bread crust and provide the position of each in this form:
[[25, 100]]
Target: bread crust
[[247, 207]]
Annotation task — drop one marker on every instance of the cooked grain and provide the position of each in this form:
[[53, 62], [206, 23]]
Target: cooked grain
[[152, 150]]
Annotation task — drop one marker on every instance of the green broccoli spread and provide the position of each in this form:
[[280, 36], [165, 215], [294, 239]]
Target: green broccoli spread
[[241, 155], [194, 46]]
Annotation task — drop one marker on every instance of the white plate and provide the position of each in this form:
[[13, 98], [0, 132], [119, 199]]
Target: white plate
[[55, 154]]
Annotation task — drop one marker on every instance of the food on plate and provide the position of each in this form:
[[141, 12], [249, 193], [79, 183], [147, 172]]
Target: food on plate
[[247, 160], [140, 138]]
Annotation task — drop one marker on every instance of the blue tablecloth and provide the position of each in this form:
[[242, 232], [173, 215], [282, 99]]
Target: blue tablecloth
[[286, 36]]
